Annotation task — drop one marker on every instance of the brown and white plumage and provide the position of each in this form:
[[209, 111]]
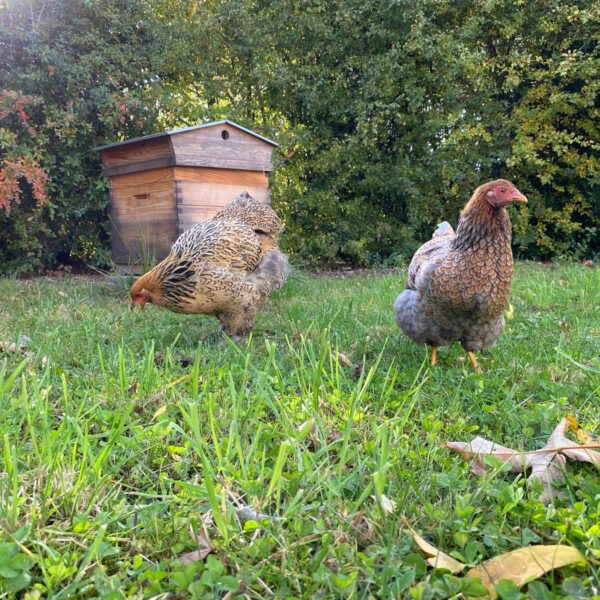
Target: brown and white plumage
[[459, 284], [225, 267]]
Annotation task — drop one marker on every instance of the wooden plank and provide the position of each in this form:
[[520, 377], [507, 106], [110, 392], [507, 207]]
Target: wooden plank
[[227, 176], [190, 215], [198, 201], [207, 147], [145, 177], [136, 152], [143, 211], [218, 194], [219, 161], [145, 165]]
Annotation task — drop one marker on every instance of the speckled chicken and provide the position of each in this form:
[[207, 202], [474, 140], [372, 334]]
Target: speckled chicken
[[225, 266], [459, 284]]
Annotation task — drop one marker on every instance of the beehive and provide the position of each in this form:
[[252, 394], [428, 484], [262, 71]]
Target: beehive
[[163, 184]]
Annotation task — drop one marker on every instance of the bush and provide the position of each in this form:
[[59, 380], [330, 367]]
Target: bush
[[71, 73]]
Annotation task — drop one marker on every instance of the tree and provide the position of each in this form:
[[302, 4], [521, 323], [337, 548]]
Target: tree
[[89, 64]]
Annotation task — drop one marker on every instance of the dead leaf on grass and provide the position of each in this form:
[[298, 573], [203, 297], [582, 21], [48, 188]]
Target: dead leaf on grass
[[435, 558], [547, 464], [524, 564], [584, 436], [345, 360], [11, 347], [387, 504], [205, 548], [160, 411], [332, 564], [480, 447], [358, 369]]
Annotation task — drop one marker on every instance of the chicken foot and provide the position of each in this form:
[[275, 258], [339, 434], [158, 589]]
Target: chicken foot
[[474, 362]]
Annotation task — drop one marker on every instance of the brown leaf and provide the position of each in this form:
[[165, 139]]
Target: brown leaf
[[355, 376], [204, 548], [11, 347], [571, 450], [436, 558], [332, 564], [586, 437], [480, 447], [524, 564], [547, 464], [550, 465], [190, 557]]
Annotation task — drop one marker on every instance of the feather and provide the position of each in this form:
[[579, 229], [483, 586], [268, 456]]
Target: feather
[[225, 266], [458, 284]]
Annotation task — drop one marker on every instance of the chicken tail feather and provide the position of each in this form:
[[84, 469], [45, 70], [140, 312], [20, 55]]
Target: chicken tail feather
[[270, 272], [443, 228]]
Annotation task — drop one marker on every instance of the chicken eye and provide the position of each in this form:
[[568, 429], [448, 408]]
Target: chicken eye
[[503, 190]]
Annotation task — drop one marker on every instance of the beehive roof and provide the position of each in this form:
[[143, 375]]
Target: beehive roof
[[192, 128]]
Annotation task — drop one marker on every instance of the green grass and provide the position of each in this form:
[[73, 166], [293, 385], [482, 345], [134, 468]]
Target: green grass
[[124, 432]]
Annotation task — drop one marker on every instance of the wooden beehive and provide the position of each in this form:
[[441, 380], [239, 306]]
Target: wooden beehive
[[163, 184]]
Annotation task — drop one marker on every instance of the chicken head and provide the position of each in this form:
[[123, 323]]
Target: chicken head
[[502, 193]]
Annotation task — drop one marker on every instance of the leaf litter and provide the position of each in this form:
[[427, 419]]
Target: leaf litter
[[524, 564], [547, 464], [205, 548]]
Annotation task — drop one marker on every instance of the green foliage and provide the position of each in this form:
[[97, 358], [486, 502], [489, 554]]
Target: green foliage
[[83, 62], [389, 114]]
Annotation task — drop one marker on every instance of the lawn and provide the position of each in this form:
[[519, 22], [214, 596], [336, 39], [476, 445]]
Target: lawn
[[137, 448]]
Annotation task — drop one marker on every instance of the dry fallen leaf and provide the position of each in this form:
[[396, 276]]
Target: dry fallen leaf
[[524, 565], [480, 447], [11, 347], [547, 464], [344, 360], [160, 411], [204, 548], [436, 558], [332, 564], [387, 504]]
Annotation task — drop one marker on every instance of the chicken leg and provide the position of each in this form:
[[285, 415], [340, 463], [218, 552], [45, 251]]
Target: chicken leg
[[474, 362], [433, 355]]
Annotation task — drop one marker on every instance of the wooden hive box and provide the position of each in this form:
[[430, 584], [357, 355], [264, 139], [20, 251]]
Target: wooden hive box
[[163, 184]]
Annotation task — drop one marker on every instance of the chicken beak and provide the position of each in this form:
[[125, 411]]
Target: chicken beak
[[519, 197], [132, 306]]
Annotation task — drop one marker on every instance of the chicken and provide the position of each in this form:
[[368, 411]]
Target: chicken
[[225, 266], [459, 284]]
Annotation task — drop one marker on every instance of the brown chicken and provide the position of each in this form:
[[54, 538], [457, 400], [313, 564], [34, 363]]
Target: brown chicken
[[225, 267], [459, 284]]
